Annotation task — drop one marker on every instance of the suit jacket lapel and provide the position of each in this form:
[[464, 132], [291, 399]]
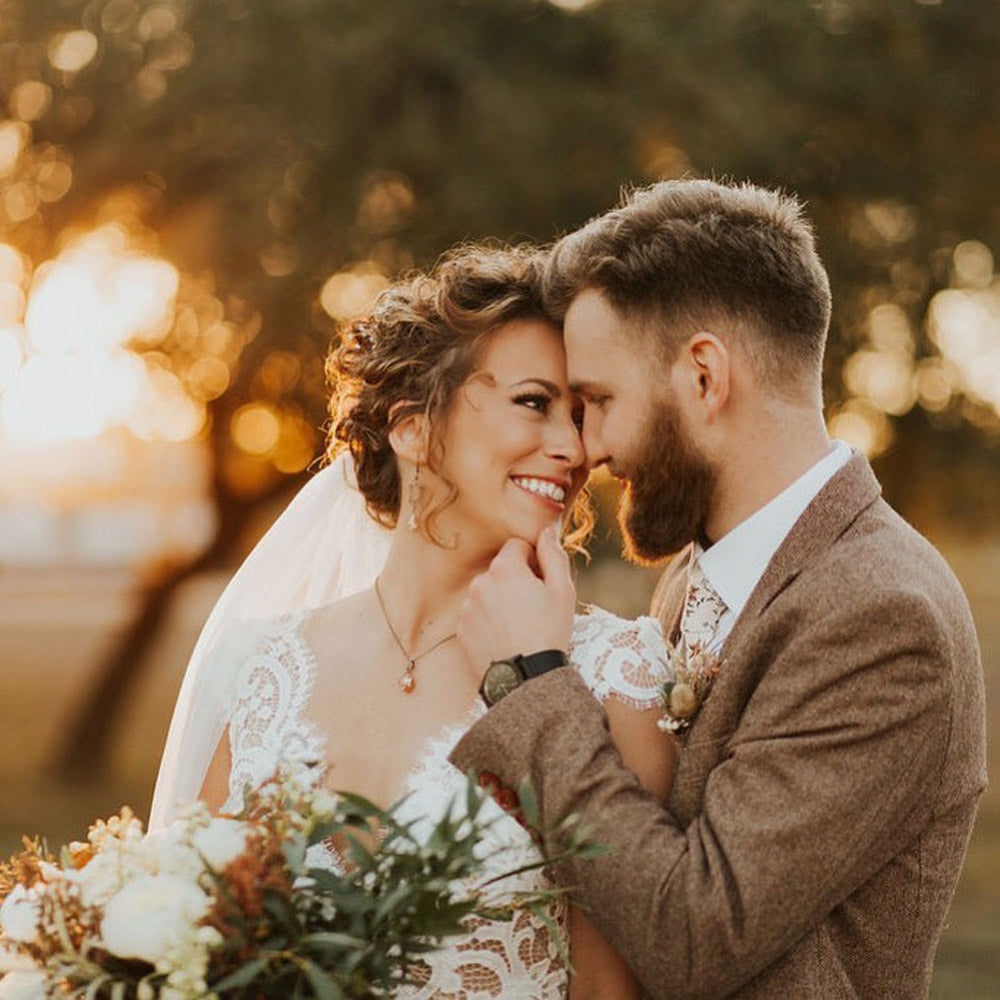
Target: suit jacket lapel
[[851, 490]]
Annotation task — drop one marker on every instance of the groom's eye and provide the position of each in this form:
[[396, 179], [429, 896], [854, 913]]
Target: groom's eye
[[534, 401], [599, 401]]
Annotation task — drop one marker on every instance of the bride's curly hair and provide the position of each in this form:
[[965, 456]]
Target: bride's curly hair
[[414, 352]]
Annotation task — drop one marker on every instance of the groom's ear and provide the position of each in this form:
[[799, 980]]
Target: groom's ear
[[707, 370], [410, 432]]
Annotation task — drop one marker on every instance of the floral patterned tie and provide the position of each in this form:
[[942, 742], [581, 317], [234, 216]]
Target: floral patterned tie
[[703, 610]]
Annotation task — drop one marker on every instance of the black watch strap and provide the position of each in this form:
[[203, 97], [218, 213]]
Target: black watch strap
[[536, 664]]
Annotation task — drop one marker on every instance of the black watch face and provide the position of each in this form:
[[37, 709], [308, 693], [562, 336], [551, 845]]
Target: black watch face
[[501, 678]]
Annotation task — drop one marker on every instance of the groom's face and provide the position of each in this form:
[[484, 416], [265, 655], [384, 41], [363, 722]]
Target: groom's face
[[633, 424]]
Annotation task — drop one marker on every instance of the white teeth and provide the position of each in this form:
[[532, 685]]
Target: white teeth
[[542, 487]]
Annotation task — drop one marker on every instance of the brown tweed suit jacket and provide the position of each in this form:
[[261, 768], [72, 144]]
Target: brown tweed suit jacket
[[823, 801]]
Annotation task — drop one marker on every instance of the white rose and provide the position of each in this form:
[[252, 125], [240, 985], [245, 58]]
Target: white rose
[[152, 916], [20, 914], [23, 985], [221, 842]]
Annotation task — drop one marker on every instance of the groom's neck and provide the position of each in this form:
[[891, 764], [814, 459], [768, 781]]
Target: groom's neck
[[764, 455]]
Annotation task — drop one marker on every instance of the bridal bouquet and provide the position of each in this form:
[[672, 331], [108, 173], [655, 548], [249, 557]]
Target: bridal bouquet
[[232, 907]]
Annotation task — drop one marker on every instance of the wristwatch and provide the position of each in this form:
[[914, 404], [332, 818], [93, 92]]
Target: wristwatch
[[503, 676]]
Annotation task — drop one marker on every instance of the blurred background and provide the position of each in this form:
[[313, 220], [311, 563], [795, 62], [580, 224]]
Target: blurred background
[[194, 192]]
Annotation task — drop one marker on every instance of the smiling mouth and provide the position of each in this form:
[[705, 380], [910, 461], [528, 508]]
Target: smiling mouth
[[544, 489]]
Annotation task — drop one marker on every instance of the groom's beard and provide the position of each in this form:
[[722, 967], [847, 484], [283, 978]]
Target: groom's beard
[[669, 495]]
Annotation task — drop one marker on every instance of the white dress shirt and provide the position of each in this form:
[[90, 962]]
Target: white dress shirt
[[736, 562]]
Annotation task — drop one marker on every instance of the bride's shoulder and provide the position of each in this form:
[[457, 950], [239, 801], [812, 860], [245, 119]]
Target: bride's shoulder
[[290, 627], [625, 657]]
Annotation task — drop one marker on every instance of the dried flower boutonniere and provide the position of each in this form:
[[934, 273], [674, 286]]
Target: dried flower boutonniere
[[692, 671]]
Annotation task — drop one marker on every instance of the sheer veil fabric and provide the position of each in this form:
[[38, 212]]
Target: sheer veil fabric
[[323, 547]]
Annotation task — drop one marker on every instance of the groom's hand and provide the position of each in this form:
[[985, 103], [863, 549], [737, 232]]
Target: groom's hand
[[513, 609]]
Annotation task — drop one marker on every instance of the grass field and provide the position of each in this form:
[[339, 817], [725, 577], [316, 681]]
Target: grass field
[[51, 639]]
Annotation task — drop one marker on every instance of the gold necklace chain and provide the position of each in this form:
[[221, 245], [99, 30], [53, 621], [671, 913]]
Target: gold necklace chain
[[409, 679]]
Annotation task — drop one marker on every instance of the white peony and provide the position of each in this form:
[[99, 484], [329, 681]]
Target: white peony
[[23, 984], [20, 914], [221, 842], [152, 916]]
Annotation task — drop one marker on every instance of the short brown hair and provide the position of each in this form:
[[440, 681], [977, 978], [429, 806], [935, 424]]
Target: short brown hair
[[414, 352], [680, 253]]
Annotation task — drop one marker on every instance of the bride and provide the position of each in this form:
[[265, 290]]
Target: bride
[[335, 641]]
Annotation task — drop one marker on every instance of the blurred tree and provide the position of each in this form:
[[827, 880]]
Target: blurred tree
[[304, 152]]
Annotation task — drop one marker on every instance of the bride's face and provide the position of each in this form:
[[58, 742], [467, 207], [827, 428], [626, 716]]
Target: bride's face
[[512, 446]]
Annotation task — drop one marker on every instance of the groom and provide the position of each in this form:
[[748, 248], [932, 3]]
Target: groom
[[825, 792]]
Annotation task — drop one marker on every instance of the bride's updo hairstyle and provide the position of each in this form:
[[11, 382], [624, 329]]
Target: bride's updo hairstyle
[[422, 341]]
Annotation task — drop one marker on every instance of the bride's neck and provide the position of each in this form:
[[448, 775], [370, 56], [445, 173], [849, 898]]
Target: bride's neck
[[423, 585]]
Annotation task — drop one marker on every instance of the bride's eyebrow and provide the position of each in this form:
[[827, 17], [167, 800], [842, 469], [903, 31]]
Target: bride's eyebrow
[[543, 382]]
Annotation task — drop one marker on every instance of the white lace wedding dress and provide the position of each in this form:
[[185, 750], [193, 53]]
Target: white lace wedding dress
[[268, 724]]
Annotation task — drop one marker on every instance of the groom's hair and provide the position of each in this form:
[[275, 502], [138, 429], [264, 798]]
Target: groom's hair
[[680, 256]]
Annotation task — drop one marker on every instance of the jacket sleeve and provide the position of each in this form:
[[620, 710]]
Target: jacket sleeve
[[826, 778]]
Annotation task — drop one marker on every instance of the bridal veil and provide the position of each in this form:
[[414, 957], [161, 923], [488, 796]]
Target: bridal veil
[[323, 547]]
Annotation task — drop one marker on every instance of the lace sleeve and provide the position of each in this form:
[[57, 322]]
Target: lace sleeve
[[274, 671], [622, 657]]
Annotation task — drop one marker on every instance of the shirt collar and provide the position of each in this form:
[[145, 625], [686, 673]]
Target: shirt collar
[[736, 562]]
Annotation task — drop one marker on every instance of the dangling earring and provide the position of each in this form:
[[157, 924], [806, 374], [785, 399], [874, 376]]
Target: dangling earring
[[414, 494]]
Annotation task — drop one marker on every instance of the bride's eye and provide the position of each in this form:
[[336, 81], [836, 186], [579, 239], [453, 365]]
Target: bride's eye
[[534, 401]]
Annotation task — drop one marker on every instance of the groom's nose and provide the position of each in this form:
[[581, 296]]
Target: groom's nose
[[593, 445]]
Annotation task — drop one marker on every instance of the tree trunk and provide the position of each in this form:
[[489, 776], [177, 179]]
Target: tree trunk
[[88, 736]]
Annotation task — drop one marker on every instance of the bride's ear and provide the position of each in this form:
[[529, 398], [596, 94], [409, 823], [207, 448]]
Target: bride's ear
[[409, 436]]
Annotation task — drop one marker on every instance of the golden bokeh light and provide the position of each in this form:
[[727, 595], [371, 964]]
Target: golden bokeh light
[[113, 339], [208, 378], [71, 51], [387, 202], [573, 6], [972, 264], [296, 446], [150, 84], [11, 303], [934, 384], [883, 378], [14, 138], [278, 374], [351, 293], [662, 159], [30, 100], [100, 296], [889, 330], [256, 428], [12, 265], [157, 21], [863, 426], [964, 324], [167, 413], [20, 201], [54, 180], [279, 259]]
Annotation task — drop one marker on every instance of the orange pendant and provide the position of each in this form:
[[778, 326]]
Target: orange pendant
[[409, 680]]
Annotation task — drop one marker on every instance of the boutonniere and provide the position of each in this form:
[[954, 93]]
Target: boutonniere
[[692, 671]]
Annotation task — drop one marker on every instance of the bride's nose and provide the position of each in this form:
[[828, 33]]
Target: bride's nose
[[564, 443]]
